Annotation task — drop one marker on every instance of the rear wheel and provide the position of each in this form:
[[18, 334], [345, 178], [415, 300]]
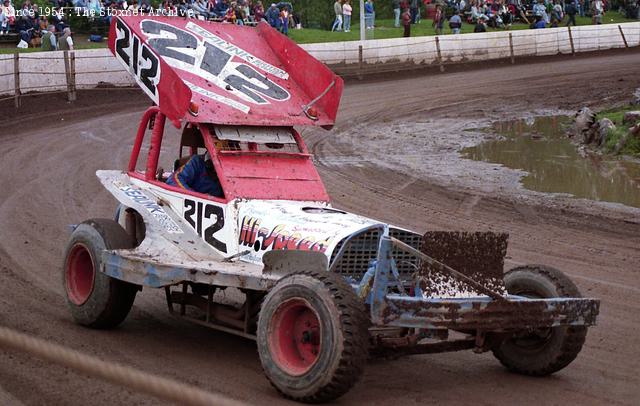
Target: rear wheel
[[312, 336], [540, 352], [95, 299]]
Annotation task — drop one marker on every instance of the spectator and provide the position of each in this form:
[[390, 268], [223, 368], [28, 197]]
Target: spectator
[[477, 12], [230, 15], [369, 14], [273, 16], [80, 6], [284, 20], [481, 25], [571, 12], [540, 10], [145, 6], [10, 13], [438, 19], [396, 13], [241, 17], [49, 42], [66, 42], [25, 28], [258, 12], [455, 22], [461, 6], [220, 9], [414, 11], [4, 22], [557, 15], [58, 20], [246, 10], [200, 7], [540, 23], [337, 23], [346, 13], [94, 6], [597, 11], [406, 22], [296, 19], [505, 15]]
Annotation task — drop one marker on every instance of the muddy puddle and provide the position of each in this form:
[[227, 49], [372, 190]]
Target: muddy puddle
[[540, 147]]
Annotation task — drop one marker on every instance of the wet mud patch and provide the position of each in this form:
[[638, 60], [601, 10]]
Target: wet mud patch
[[442, 151], [426, 149], [552, 163]]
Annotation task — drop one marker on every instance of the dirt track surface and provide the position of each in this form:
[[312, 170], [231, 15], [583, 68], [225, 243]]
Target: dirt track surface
[[48, 182]]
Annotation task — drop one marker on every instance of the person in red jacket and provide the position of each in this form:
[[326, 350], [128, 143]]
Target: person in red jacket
[[406, 22]]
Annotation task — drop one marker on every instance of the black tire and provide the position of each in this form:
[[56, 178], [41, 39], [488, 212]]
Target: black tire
[[95, 299], [339, 336], [543, 351]]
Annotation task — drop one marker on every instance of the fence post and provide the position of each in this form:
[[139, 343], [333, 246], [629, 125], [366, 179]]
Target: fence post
[[67, 72], [439, 54], [72, 75], [623, 38], [360, 62], [16, 76], [513, 58], [573, 49]]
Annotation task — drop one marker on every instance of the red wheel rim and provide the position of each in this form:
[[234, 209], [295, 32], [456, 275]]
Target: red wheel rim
[[80, 274], [295, 336]]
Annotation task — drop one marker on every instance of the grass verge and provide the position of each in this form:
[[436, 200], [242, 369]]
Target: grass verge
[[632, 145]]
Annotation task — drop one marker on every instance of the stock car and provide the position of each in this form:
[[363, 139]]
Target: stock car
[[320, 290]]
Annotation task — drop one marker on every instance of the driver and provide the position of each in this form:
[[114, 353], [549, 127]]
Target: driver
[[198, 175]]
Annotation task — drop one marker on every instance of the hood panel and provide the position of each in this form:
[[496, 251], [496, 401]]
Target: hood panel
[[277, 225]]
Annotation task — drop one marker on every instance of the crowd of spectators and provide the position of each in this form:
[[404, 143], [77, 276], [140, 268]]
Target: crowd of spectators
[[51, 32], [536, 13], [49, 28], [486, 13], [343, 11], [241, 12]]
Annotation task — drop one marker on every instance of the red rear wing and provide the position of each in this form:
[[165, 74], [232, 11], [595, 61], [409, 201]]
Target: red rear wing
[[235, 75]]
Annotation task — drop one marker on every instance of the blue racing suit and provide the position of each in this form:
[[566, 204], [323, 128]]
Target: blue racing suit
[[193, 176]]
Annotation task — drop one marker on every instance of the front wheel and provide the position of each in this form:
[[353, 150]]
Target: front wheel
[[312, 336], [540, 352], [95, 299]]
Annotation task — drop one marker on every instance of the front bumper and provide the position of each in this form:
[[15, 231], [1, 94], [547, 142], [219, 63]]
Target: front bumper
[[472, 313]]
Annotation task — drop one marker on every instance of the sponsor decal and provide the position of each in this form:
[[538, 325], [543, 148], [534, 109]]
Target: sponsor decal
[[152, 207], [278, 238], [139, 59], [221, 99], [234, 50], [199, 213], [212, 59]]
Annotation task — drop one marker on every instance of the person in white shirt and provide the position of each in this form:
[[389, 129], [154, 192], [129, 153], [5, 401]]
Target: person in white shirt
[[597, 10], [65, 43], [346, 13]]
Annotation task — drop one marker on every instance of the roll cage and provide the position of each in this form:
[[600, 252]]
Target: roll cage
[[247, 169]]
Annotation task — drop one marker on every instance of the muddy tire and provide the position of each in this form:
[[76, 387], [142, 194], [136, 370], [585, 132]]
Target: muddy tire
[[313, 336], [543, 351], [95, 299]]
